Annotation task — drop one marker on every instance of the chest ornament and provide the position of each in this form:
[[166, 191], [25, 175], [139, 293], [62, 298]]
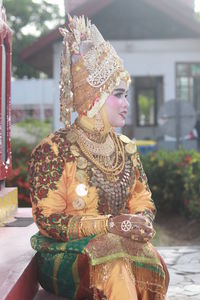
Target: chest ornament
[[78, 203]]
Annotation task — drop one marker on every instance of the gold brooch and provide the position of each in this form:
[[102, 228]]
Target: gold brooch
[[124, 139], [131, 148]]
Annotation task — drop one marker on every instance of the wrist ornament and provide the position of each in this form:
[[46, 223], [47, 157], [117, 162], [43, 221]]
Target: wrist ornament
[[90, 225]]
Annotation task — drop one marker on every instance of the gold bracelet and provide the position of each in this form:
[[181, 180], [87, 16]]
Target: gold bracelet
[[94, 225]]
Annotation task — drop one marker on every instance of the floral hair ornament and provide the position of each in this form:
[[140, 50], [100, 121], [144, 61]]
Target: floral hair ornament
[[90, 69]]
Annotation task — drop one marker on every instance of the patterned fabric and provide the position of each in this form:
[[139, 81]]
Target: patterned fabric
[[64, 267], [65, 258], [141, 201], [47, 164]]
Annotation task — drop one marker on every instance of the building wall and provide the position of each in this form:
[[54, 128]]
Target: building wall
[[32, 91], [32, 98], [143, 58]]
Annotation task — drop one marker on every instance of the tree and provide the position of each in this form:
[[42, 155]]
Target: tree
[[28, 19]]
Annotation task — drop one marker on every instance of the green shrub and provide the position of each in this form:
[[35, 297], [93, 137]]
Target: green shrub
[[21, 152], [36, 128], [174, 179]]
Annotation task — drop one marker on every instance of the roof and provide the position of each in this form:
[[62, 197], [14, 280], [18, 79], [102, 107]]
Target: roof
[[144, 19]]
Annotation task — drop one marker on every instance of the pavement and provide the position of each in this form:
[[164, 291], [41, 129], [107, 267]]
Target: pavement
[[184, 267]]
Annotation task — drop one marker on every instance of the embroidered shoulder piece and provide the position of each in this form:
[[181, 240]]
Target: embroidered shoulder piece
[[47, 164], [143, 179], [138, 165]]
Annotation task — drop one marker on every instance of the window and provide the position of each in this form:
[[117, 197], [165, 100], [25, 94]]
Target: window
[[148, 98], [188, 83], [146, 107]]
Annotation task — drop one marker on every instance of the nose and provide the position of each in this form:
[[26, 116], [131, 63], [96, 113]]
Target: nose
[[125, 103]]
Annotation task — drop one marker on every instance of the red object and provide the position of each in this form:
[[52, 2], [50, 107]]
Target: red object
[[5, 41], [27, 285], [188, 159]]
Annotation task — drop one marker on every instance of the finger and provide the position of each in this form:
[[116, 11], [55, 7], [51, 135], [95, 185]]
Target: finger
[[142, 229], [138, 238], [143, 233]]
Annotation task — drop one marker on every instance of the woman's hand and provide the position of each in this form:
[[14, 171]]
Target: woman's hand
[[135, 227]]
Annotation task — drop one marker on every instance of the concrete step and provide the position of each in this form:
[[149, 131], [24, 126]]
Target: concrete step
[[18, 272]]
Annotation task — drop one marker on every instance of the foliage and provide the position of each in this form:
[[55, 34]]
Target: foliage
[[28, 19], [21, 152], [146, 102], [197, 16], [174, 180], [36, 128]]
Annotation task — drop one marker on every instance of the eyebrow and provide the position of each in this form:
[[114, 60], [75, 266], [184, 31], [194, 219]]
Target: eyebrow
[[119, 90]]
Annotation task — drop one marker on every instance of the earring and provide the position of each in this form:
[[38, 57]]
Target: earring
[[98, 122]]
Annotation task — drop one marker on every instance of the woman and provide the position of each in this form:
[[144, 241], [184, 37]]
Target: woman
[[90, 196]]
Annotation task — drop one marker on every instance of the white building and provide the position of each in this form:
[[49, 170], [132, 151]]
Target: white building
[[32, 98], [159, 42]]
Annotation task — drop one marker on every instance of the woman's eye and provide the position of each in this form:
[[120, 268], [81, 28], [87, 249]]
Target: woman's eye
[[118, 95]]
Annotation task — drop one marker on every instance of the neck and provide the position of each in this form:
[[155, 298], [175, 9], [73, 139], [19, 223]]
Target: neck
[[91, 128], [93, 135]]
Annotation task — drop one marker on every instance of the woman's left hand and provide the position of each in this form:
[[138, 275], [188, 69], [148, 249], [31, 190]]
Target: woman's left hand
[[136, 227], [142, 228]]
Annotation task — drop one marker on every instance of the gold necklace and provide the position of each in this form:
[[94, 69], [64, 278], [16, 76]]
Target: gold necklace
[[113, 171], [103, 149]]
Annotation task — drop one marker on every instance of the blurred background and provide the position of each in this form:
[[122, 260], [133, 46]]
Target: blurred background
[[159, 42]]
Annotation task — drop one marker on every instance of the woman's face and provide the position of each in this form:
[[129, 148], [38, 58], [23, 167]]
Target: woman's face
[[117, 106]]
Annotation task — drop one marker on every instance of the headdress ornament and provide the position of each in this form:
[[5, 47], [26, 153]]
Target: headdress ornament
[[90, 69]]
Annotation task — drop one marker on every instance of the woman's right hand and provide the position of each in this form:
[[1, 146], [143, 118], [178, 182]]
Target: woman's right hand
[[135, 227]]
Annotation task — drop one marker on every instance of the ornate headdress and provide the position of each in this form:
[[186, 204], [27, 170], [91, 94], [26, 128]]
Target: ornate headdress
[[90, 70]]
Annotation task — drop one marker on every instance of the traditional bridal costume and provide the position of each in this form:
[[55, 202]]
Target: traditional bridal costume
[[83, 175]]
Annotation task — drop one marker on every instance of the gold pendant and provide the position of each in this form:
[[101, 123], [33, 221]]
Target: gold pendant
[[78, 204], [130, 148], [75, 150], [124, 139], [72, 136], [81, 176], [81, 162]]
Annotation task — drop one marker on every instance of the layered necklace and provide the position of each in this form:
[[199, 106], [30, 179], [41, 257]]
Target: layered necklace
[[110, 169], [108, 157]]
